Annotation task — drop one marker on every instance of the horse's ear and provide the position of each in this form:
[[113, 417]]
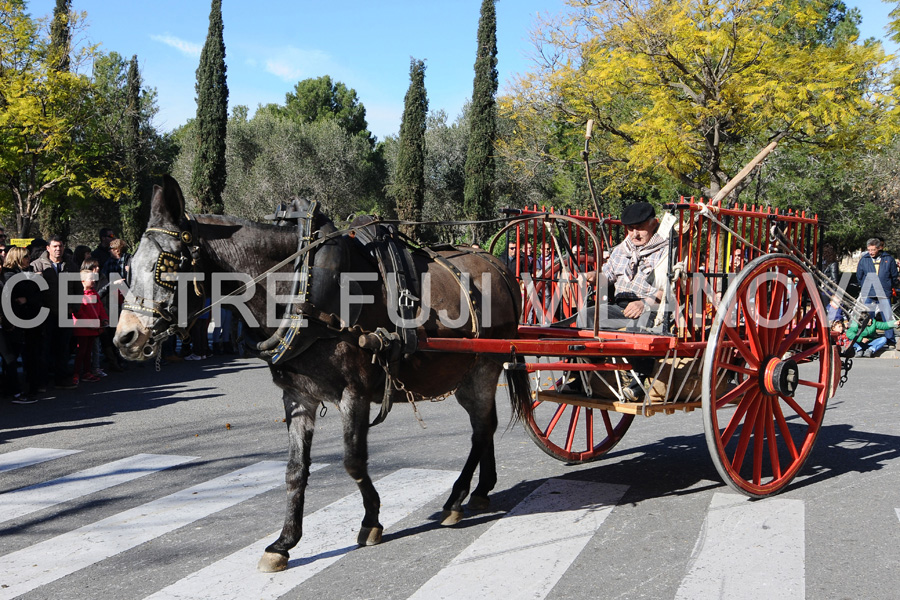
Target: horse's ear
[[167, 204]]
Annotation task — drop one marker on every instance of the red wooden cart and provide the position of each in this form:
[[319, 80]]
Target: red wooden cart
[[742, 334]]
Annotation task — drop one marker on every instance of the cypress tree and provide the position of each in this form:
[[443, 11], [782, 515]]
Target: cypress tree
[[409, 184], [53, 213], [133, 215], [477, 202], [208, 178], [61, 35]]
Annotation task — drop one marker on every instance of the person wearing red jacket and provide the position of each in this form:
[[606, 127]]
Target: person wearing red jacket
[[90, 319]]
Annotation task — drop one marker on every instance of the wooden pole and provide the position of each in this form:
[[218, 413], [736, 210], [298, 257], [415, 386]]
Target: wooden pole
[[742, 175]]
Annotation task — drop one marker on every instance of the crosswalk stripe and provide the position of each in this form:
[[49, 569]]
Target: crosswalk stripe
[[43, 563], [748, 549], [526, 552], [30, 456], [328, 535], [38, 497]]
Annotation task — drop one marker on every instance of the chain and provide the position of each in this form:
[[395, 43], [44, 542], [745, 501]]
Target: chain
[[846, 365]]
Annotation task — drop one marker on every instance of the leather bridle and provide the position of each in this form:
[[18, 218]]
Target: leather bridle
[[168, 265]]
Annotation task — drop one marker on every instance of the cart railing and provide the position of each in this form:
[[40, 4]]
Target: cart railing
[[708, 247]]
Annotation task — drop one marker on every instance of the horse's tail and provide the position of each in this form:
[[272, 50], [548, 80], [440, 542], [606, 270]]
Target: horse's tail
[[519, 387]]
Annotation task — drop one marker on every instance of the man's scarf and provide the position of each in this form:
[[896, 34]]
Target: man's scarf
[[636, 253]]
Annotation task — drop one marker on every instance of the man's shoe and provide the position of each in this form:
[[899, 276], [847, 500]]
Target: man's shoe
[[868, 353], [90, 377], [20, 399]]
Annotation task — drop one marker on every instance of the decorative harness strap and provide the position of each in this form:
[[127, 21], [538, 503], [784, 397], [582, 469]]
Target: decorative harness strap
[[281, 346], [167, 265]]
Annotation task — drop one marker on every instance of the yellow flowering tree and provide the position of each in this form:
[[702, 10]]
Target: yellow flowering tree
[[47, 139], [692, 89]]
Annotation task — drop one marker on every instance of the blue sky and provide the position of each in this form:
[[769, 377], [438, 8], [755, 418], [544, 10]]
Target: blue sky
[[367, 44]]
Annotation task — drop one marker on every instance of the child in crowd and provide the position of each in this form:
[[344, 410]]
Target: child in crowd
[[876, 342], [90, 318]]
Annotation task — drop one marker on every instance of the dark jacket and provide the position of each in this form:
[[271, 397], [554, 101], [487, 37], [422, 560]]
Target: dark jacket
[[887, 278], [52, 297], [101, 255], [26, 290]]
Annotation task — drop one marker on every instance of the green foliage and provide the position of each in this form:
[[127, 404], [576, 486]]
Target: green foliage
[[271, 159], [321, 99], [209, 173], [408, 187], [483, 123]]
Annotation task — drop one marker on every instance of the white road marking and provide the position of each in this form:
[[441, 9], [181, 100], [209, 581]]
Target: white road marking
[[328, 535], [526, 552], [749, 549], [38, 497], [30, 456], [43, 563]]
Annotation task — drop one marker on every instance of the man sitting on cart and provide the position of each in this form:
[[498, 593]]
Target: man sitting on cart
[[630, 270]]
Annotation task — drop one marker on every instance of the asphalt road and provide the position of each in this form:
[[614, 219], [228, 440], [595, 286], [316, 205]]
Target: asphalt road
[[652, 520]]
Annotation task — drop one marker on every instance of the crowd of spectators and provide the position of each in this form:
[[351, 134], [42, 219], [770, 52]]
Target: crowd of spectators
[[55, 304], [55, 326]]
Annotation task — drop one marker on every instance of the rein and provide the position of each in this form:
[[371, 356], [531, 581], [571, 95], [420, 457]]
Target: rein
[[333, 235], [171, 263]]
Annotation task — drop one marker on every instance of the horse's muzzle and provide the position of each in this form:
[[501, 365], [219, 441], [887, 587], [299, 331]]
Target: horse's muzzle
[[133, 340]]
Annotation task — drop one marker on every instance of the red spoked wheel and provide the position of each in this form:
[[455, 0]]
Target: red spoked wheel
[[571, 432], [766, 375]]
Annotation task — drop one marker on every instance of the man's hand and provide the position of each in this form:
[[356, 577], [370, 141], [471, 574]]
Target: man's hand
[[634, 309]]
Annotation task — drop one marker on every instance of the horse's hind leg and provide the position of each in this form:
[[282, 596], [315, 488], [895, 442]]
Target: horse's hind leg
[[301, 420], [476, 394], [355, 413]]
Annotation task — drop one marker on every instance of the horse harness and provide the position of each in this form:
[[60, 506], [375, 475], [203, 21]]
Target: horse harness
[[389, 249], [168, 265]]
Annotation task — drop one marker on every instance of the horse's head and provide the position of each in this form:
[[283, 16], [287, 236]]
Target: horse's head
[[150, 313]]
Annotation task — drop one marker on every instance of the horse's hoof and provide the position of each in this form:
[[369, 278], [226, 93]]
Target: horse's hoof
[[451, 517], [477, 503], [272, 562], [369, 536]]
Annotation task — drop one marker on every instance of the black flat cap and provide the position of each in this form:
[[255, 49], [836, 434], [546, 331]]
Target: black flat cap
[[637, 213]]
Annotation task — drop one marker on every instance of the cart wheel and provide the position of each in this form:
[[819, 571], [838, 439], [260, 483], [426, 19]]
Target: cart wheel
[[766, 375], [569, 432]]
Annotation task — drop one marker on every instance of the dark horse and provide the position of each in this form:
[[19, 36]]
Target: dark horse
[[335, 367]]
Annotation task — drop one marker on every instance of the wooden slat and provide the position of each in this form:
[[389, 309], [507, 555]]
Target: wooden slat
[[631, 408]]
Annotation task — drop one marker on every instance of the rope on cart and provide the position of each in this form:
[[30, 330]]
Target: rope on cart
[[852, 306]]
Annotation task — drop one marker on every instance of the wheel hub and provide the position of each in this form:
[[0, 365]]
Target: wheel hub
[[779, 376]]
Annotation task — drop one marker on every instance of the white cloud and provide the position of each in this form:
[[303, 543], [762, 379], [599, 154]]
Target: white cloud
[[185, 47], [293, 64]]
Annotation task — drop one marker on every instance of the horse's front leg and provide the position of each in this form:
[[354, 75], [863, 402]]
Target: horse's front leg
[[477, 395], [301, 420], [355, 413]]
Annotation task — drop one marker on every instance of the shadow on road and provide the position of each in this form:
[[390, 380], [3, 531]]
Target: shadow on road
[[141, 387]]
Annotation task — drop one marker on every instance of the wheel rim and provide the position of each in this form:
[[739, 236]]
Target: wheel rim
[[570, 432], [766, 375]]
